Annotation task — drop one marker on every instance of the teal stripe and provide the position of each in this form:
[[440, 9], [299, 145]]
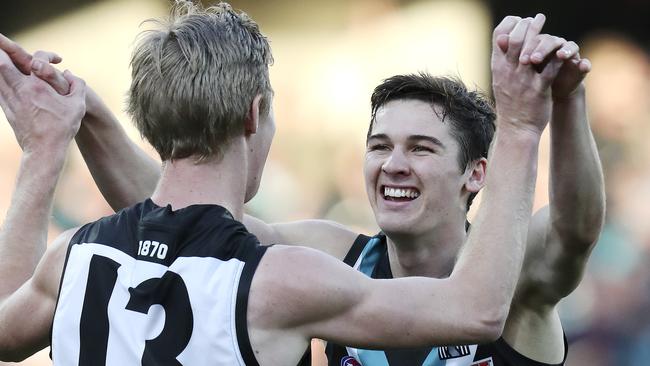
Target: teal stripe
[[369, 257], [372, 357]]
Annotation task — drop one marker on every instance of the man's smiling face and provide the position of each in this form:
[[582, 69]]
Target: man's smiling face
[[413, 178]]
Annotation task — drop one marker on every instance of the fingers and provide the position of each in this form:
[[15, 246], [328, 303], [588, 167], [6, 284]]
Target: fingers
[[501, 32], [8, 71], [549, 73], [545, 48], [516, 39], [532, 39], [45, 71], [48, 56], [506, 25], [584, 65], [77, 85], [568, 50], [21, 58]]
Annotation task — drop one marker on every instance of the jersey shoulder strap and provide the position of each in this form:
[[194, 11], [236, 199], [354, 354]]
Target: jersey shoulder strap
[[355, 251]]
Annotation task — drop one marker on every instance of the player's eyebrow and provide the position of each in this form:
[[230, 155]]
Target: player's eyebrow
[[431, 139], [378, 136]]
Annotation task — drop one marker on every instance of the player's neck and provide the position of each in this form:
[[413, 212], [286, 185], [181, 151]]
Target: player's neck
[[183, 183], [430, 255]]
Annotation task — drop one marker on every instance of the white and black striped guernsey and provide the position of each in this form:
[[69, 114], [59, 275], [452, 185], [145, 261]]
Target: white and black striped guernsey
[[370, 256], [153, 286]]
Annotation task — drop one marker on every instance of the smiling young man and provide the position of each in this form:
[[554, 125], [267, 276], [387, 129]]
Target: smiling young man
[[421, 172]]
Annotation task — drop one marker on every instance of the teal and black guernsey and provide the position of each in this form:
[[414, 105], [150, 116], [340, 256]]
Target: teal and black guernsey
[[370, 256]]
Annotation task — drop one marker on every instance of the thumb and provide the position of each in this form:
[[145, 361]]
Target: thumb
[[77, 85]]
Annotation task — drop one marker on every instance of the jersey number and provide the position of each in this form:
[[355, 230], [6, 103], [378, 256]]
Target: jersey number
[[169, 291]]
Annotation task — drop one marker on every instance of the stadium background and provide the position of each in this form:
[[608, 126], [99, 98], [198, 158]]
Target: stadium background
[[328, 57]]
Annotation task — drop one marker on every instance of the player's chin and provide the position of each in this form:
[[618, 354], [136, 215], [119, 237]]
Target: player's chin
[[394, 223]]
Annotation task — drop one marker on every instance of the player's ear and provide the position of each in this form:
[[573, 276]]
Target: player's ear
[[253, 116], [476, 172]]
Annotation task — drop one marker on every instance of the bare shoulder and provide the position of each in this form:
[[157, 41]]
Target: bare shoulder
[[294, 289]]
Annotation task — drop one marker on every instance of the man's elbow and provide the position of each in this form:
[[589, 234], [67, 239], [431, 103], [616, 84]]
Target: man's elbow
[[489, 325], [483, 323]]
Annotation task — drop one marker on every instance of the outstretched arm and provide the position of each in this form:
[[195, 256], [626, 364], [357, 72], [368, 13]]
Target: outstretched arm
[[26, 304], [472, 304], [562, 234], [125, 174]]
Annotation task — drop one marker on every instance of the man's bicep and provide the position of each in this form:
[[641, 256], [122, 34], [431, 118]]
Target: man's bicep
[[26, 316], [25, 321], [323, 298]]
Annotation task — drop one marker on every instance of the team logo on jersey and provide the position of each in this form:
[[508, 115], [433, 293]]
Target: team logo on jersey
[[483, 362], [448, 352], [350, 361]]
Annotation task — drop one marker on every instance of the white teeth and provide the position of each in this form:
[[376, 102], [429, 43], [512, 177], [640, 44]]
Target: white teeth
[[399, 192]]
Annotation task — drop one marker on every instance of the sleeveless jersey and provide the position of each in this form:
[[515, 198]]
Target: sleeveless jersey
[[370, 256], [153, 286]]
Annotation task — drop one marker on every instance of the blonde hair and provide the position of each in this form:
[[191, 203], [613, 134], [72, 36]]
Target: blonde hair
[[194, 79]]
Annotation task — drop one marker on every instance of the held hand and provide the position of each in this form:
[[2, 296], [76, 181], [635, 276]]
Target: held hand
[[522, 94], [574, 69], [41, 118], [40, 64]]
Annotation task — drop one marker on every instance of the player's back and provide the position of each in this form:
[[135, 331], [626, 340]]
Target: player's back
[[153, 286]]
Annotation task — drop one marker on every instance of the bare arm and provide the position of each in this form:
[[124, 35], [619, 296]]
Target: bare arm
[[326, 236], [124, 173], [289, 291], [561, 235], [27, 301], [26, 316], [291, 296]]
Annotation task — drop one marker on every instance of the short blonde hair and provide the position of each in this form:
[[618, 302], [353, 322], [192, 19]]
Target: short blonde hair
[[194, 79]]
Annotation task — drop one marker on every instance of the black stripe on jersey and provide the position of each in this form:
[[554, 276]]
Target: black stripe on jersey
[[241, 307], [94, 323], [356, 249]]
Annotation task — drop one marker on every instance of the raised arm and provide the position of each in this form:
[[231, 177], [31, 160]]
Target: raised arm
[[27, 302], [125, 174], [562, 234], [472, 304]]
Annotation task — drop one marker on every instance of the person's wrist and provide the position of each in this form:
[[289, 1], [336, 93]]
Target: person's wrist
[[45, 157], [520, 132], [576, 94]]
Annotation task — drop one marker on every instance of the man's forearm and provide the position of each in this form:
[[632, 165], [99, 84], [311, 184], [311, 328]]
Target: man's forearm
[[23, 237], [490, 263], [124, 173], [576, 187]]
